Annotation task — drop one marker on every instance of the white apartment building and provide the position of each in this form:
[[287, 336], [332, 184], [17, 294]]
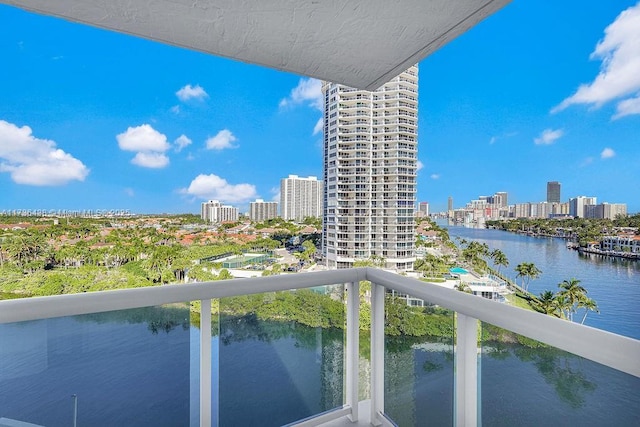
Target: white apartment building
[[370, 163], [215, 212], [577, 204], [261, 211], [605, 210], [300, 197]]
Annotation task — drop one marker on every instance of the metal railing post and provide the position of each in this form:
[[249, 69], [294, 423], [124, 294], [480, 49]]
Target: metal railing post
[[352, 351], [466, 371], [205, 363], [377, 353]]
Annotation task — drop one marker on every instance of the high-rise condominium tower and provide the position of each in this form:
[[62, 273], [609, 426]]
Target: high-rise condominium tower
[[553, 192], [370, 160], [300, 197], [262, 211]]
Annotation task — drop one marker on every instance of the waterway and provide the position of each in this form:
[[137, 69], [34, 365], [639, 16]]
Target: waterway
[[614, 283]]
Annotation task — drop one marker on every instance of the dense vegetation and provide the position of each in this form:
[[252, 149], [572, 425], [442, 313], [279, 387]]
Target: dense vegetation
[[50, 257]]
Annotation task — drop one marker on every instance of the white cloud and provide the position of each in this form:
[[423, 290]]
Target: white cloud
[[142, 138], [129, 192], [191, 92], [419, 165], [224, 139], [607, 153], [435, 176], [213, 187], [548, 136], [175, 109], [308, 90], [318, 127], [619, 75], [149, 144], [627, 107], [150, 160], [33, 161], [493, 140], [181, 142]]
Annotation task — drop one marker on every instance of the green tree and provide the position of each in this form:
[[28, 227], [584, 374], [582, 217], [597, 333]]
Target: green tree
[[499, 259], [548, 303], [528, 271], [575, 297]]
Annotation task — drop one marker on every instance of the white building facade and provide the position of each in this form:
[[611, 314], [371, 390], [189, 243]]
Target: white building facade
[[261, 211], [370, 164], [300, 197], [215, 212], [577, 205]]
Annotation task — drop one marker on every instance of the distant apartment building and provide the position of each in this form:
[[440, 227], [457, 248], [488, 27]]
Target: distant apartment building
[[577, 205], [613, 210], [261, 211], [370, 163], [423, 210], [300, 197], [605, 210], [522, 210], [553, 192], [499, 200], [215, 212]]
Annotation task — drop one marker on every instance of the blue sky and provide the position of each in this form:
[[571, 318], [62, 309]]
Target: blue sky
[[540, 91]]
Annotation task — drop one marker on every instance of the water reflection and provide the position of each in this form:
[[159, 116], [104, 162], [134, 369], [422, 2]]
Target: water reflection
[[524, 382], [129, 367]]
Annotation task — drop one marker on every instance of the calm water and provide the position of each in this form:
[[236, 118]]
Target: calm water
[[614, 283]]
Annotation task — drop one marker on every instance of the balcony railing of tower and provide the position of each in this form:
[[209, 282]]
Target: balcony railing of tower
[[611, 350]]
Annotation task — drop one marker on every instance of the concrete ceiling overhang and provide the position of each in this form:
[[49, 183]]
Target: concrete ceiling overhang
[[360, 43]]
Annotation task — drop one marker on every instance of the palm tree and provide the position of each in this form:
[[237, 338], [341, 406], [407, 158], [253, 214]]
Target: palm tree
[[574, 294], [548, 303], [588, 304], [499, 259], [528, 271]]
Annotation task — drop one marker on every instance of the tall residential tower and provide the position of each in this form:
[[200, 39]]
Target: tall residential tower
[[370, 163], [300, 197]]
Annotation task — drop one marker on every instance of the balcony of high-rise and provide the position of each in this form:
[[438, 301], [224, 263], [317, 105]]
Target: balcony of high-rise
[[192, 354]]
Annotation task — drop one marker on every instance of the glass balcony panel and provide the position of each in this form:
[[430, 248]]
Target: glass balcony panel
[[128, 367], [281, 356], [419, 375], [526, 383]]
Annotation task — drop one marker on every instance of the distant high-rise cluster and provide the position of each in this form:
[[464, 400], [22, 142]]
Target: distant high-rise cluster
[[261, 211], [215, 212], [496, 206], [300, 197], [370, 164]]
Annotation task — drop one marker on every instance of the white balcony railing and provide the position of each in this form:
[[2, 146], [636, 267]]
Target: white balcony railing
[[611, 350]]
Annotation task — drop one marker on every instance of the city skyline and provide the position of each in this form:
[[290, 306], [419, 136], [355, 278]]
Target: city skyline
[[117, 122]]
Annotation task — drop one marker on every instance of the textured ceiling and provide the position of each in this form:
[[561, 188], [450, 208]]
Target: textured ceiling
[[360, 43]]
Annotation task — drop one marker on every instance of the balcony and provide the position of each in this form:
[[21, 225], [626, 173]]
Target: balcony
[[195, 373]]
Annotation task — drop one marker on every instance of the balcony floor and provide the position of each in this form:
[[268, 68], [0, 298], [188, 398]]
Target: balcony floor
[[364, 417]]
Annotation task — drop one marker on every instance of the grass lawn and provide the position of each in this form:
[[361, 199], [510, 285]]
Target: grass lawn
[[513, 299], [433, 279]]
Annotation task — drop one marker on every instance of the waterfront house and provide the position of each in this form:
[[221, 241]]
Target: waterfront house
[[626, 243]]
